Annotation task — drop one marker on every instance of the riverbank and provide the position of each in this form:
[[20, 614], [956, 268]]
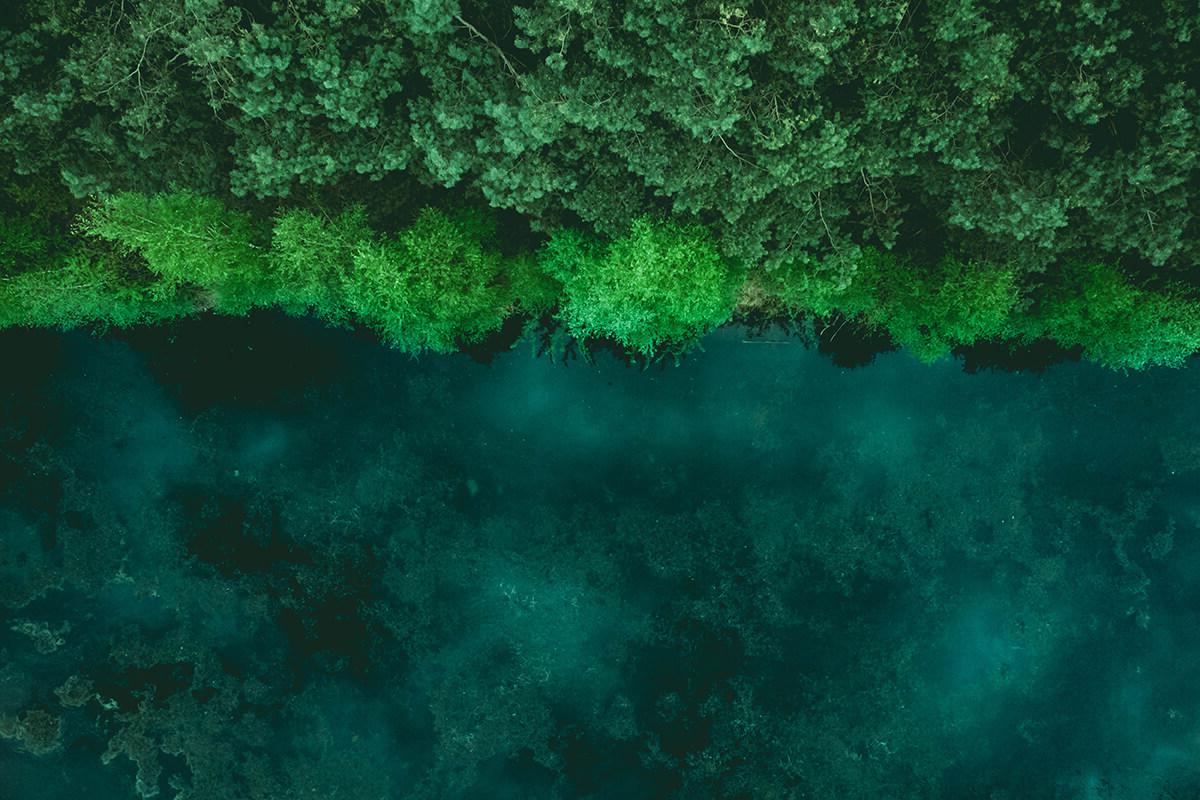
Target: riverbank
[[450, 280]]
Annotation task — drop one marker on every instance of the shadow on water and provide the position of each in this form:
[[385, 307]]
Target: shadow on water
[[264, 360]]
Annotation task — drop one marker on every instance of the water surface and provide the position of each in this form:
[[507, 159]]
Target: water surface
[[260, 559]]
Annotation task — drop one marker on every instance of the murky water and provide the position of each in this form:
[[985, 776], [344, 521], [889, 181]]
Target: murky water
[[262, 559]]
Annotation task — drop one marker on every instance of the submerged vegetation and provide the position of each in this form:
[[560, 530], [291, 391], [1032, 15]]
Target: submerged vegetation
[[262, 560]]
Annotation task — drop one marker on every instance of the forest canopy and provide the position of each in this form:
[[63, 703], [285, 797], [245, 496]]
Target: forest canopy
[[937, 171]]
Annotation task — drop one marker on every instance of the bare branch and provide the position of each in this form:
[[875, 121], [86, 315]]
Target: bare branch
[[479, 34]]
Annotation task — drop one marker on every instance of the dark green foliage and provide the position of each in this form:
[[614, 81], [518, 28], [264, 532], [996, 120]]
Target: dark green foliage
[[315, 94], [1031, 132], [20, 243], [35, 218], [118, 96], [931, 169]]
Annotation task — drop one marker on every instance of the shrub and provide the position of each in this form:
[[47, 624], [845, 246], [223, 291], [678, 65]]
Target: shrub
[[85, 289], [659, 286], [1118, 324], [187, 238], [928, 311], [433, 284], [311, 259]]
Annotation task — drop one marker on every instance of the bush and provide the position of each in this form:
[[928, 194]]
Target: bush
[[187, 239], [928, 311], [435, 285], [1118, 324], [430, 286], [312, 257], [85, 289], [954, 303], [842, 283], [659, 286]]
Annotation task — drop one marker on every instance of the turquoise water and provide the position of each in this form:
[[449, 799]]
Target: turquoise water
[[259, 559]]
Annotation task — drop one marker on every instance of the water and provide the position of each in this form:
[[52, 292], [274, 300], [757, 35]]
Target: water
[[261, 559]]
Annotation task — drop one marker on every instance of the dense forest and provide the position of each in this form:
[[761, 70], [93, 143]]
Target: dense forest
[[940, 174]]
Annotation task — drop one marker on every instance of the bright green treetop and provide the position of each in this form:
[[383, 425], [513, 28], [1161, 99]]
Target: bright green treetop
[[660, 285], [430, 286]]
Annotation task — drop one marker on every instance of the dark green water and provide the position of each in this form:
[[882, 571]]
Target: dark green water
[[265, 560]]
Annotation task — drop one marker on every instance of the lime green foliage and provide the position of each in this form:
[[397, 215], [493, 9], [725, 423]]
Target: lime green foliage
[[954, 303], [430, 286], [660, 285], [427, 288], [85, 289], [928, 311], [440, 283], [842, 283], [187, 239], [50, 278], [536, 292], [312, 256], [1118, 324]]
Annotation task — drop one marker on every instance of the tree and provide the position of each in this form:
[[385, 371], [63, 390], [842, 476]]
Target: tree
[[188, 239], [1029, 133]]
